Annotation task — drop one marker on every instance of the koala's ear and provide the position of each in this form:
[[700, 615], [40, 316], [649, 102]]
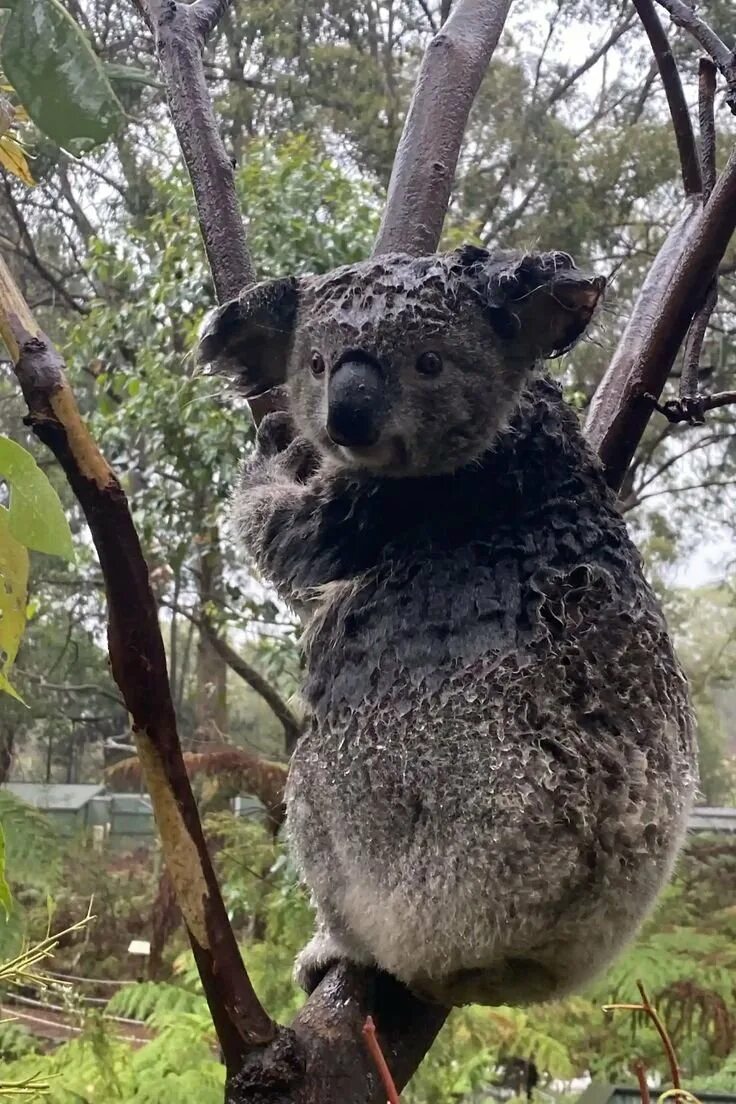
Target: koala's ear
[[249, 338], [542, 301]]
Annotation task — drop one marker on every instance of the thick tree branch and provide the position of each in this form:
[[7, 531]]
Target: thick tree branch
[[324, 1060], [685, 16], [672, 292], [424, 168], [138, 665], [668, 71]]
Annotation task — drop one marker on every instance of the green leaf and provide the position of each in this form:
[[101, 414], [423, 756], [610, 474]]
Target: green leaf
[[13, 591], [6, 899], [57, 75], [35, 517]]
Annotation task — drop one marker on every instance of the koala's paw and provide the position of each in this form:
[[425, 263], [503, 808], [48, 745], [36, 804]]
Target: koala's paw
[[275, 433], [312, 963], [277, 440]]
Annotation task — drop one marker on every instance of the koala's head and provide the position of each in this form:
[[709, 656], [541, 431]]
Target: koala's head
[[404, 365]]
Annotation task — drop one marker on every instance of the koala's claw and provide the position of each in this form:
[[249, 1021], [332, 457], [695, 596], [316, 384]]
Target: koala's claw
[[312, 963], [275, 433], [301, 460]]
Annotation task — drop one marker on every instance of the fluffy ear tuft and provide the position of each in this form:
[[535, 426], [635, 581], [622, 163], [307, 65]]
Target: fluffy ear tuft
[[540, 301], [249, 338]]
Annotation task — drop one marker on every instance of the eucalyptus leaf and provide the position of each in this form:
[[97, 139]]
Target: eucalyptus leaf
[[35, 515]]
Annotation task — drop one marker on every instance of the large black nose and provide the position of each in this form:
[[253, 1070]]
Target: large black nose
[[356, 403]]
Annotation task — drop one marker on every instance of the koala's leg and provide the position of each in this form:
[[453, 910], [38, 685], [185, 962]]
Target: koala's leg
[[326, 947]]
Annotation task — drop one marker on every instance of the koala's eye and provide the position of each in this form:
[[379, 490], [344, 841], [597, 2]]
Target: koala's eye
[[318, 364], [429, 364]]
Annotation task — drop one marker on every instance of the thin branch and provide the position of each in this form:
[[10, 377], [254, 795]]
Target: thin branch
[[671, 294], [138, 664], [640, 1072], [248, 673], [668, 71], [421, 181], [682, 15], [371, 1041], [207, 14], [689, 387], [707, 122], [692, 409], [179, 41], [593, 58]]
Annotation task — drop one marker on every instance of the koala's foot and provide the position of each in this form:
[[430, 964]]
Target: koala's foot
[[321, 952]]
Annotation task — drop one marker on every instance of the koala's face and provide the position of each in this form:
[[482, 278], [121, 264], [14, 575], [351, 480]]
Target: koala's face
[[403, 365]]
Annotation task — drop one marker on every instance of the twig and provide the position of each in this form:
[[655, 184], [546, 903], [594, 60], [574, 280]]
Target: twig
[[682, 15], [640, 1072], [371, 1041], [668, 71], [453, 67], [649, 1010], [138, 664], [692, 409]]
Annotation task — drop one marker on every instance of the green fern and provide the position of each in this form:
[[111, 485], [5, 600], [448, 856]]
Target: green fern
[[150, 999]]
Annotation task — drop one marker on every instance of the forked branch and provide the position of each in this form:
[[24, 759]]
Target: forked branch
[[421, 181], [673, 291], [684, 15]]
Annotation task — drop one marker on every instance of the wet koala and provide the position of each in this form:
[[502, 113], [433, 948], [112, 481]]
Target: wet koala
[[499, 756]]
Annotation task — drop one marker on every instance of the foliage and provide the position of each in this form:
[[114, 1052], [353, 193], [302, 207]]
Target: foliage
[[56, 74], [33, 519], [684, 956]]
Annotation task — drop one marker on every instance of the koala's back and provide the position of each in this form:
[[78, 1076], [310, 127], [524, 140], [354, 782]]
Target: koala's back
[[500, 759]]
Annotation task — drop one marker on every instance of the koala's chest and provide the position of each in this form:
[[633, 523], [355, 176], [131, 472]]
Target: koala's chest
[[429, 619]]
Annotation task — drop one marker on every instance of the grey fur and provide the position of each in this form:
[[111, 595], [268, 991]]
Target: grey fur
[[499, 757]]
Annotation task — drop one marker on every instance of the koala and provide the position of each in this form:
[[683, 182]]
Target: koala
[[499, 755]]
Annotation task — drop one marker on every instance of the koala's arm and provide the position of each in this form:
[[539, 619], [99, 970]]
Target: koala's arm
[[284, 512]]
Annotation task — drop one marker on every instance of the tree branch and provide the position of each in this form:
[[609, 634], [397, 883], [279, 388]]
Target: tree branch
[[248, 673], [325, 1060], [256, 681], [424, 168], [179, 32], [207, 14], [672, 292], [682, 15], [668, 71], [138, 665], [689, 388]]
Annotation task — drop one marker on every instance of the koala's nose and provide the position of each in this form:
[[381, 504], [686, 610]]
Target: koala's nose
[[356, 403]]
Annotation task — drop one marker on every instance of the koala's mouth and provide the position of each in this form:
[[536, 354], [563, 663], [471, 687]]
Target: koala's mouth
[[387, 455]]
